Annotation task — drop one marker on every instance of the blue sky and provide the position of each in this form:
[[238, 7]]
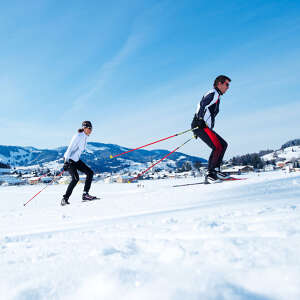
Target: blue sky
[[138, 70]]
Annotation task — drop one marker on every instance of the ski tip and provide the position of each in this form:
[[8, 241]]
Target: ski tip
[[110, 156]]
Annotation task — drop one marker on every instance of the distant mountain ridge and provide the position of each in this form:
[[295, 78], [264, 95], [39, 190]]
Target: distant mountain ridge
[[97, 156]]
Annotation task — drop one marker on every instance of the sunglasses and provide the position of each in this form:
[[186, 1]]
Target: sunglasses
[[227, 84]]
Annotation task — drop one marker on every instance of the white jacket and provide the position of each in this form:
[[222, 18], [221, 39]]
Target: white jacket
[[76, 147]]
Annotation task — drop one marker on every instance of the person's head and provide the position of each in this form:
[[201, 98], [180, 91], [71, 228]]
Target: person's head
[[86, 127], [222, 83]]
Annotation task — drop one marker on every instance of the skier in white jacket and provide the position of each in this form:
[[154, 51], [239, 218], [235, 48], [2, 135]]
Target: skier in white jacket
[[73, 164]]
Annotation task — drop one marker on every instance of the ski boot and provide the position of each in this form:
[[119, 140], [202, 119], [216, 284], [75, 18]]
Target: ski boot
[[222, 175], [64, 201], [211, 177], [88, 197]]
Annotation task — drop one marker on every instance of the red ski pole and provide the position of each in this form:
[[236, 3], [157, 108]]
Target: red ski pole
[[42, 189], [177, 134], [37, 180], [134, 178]]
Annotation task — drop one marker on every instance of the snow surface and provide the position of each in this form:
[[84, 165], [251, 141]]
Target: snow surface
[[91, 148], [289, 153], [234, 240]]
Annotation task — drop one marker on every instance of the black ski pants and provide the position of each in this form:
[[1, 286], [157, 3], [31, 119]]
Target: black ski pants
[[80, 166], [216, 143]]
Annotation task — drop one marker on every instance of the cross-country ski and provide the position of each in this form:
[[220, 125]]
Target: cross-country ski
[[207, 182]]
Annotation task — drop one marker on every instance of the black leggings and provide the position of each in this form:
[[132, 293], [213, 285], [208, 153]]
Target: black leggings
[[80, 166], [216, 143]]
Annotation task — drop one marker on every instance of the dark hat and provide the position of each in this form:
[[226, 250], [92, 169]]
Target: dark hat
[[87, 124]]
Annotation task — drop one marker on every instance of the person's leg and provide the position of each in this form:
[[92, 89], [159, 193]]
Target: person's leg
[[75, 178], [217, 148], [224, 147], [81, 166], [211, 140]]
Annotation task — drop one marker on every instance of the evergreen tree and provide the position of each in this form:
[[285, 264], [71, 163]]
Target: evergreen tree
[[197, 165]]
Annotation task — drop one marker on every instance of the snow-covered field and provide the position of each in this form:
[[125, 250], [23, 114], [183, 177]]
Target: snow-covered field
[[289, 153], [234, 240]]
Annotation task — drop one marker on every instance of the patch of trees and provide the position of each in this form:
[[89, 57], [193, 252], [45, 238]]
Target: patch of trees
[[291, 143], [4, 166], [252, 159]]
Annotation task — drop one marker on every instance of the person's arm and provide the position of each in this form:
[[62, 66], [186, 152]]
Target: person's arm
[[206, 100]]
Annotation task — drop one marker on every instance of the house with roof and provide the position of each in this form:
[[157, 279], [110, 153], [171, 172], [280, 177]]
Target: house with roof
[[237, 170]]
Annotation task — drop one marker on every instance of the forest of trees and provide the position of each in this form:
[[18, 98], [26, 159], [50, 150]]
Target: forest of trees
[[253, 159], [291, 143], [4, 166]]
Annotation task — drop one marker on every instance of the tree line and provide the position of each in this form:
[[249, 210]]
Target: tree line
[[4, 166], [253, 159]]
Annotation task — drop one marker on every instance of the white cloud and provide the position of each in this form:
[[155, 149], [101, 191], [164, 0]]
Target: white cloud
[[105, 73]]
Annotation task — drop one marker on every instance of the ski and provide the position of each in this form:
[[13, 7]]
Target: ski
[[233, 179], [91, 200], [206, 182], [187, 184]]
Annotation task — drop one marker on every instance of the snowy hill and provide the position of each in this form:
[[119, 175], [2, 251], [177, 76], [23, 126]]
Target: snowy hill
[[289, 153], [234, 240], [295, 142], [97, 156], [25, 156]]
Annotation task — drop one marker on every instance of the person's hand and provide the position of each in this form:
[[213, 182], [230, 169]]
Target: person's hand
[[201, 123], [66, 166]]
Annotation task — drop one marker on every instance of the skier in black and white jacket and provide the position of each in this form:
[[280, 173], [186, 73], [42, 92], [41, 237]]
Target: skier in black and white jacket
[[204, 121], [73, 164]]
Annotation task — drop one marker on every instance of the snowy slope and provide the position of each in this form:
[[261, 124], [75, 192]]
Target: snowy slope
[[287, 154], [235, 240], [97, 157]]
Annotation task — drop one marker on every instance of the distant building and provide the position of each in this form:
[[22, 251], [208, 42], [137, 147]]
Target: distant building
[[5, 171], [10, 180], [238, 169], [297, 164], [122, 179], [109, 179], [46, 179], [64, 180], [33, 180], [268, 168], [280, 164]]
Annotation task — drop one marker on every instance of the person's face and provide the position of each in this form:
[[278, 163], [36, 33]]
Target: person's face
[[87, 131], [223, 87]]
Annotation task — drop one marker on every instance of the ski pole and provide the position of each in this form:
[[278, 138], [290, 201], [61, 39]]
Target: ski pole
[[41, 177], [43, 189], [177, 134], [134, 178]]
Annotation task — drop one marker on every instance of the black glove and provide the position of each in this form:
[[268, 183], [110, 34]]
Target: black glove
[[201, 123], [66, 165]]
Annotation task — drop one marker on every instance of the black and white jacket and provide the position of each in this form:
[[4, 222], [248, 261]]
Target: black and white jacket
[[208, 107]]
